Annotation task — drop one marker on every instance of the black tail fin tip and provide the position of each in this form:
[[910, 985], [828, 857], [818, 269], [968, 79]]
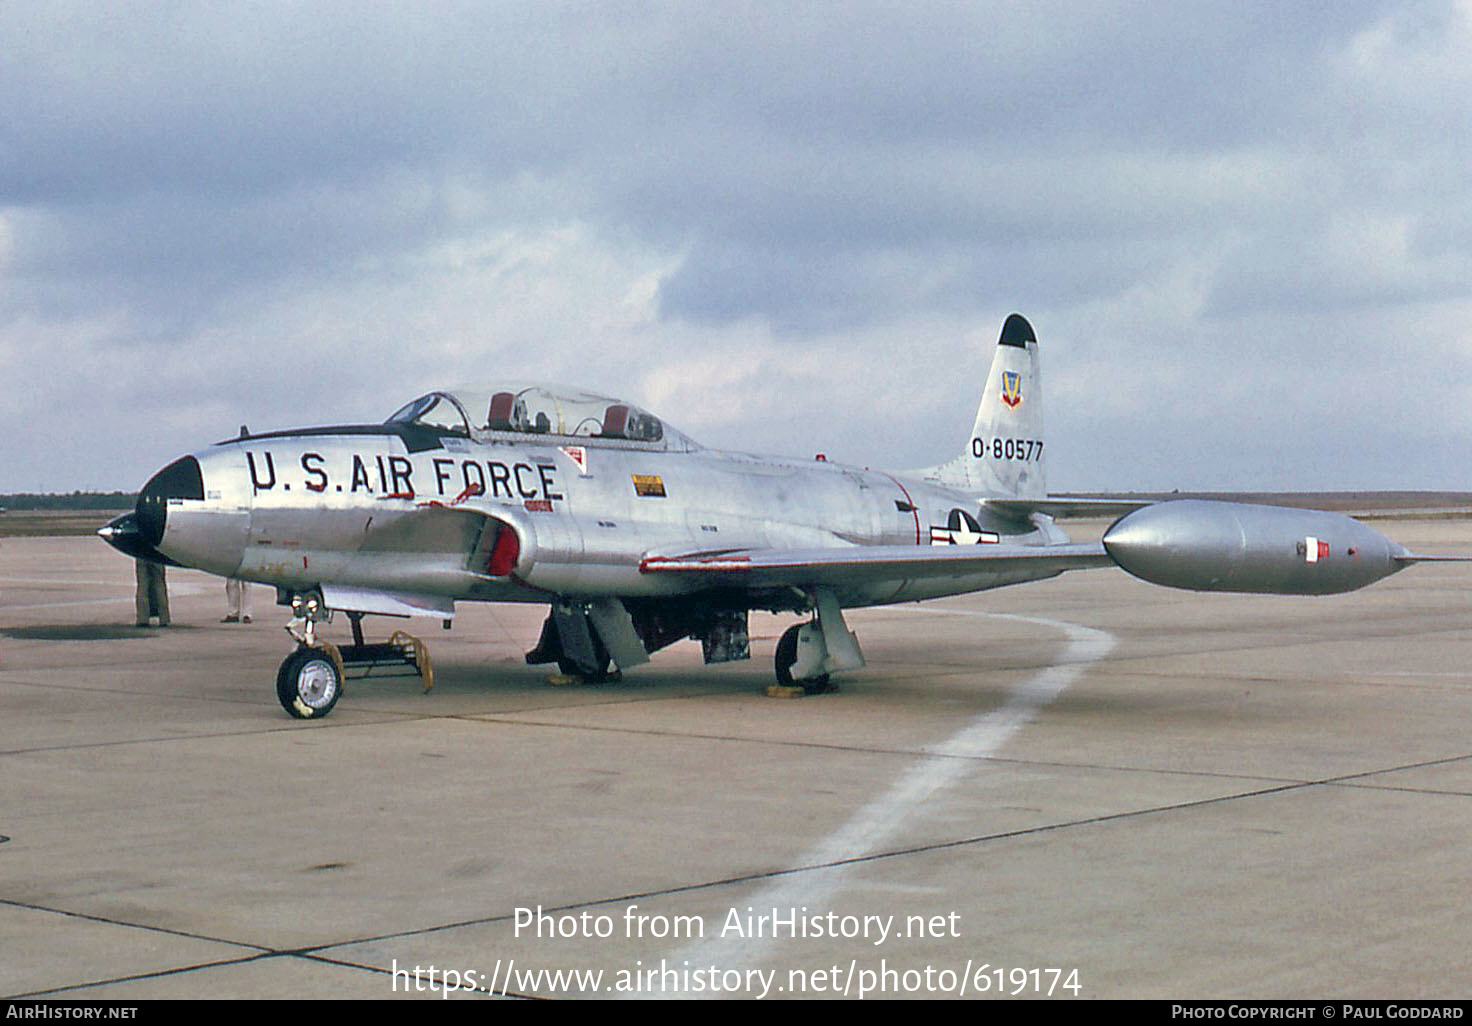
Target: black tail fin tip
[[1017, 332]]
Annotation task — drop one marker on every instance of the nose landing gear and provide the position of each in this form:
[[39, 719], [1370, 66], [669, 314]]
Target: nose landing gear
[[310, 681]]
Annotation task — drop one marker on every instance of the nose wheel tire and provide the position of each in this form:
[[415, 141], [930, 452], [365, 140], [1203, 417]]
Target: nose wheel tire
[[787, 656], [308, 684]]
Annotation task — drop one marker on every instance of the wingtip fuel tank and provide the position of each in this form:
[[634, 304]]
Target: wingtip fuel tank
[[1204, 545]]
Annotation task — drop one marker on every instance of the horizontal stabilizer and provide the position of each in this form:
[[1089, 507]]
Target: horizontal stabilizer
[[1060, 508]]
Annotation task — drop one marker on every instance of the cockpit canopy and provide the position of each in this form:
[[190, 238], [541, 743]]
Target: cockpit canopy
[[487, 413]]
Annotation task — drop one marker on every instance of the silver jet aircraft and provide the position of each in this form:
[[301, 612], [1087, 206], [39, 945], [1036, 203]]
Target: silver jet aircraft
[[634, 536]]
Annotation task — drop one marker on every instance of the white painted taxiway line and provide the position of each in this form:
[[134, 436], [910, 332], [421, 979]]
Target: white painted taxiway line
[[886, 816]]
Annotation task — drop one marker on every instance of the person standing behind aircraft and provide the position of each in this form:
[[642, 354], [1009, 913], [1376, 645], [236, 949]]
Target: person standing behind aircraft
[[237, 598], [152, 598]]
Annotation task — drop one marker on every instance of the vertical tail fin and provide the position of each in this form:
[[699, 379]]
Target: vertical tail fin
[[1003, 457]]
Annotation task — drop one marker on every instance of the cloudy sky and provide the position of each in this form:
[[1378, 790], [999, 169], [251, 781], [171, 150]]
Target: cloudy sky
[[1243, 231]]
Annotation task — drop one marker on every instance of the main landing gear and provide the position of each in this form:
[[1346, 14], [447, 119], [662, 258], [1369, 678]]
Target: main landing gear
[[571, 640], [787, 658], [809, 653], [310, 680]]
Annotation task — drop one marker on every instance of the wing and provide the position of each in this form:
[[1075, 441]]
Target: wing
[[863, 565]]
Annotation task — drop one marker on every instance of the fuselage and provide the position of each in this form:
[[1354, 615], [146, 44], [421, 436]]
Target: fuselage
[[386, 507]]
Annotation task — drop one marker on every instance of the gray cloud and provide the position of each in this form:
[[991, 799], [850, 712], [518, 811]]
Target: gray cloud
[[206, 211]]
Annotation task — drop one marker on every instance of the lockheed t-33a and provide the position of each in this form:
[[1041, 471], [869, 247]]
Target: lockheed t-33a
[[634, 536]]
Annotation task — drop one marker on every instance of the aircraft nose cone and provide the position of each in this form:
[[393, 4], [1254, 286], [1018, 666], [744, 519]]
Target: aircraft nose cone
[[118, 529], [124, 534]]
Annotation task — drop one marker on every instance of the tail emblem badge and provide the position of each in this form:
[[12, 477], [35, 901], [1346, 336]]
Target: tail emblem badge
[[1012, 389]]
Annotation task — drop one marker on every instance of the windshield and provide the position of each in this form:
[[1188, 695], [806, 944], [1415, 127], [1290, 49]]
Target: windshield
[[435, 410]]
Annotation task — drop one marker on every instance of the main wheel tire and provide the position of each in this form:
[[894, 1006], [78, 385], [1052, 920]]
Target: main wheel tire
[[568, 668], [571, 668], [787, 656], [308, 684]]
